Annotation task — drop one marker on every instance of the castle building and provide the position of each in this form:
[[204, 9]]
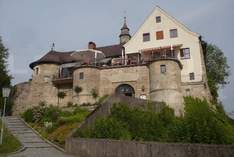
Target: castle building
[[162, 61]]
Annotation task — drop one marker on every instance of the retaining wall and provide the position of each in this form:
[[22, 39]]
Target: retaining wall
[[114, 148]]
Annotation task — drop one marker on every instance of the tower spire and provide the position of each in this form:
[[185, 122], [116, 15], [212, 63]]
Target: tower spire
[[124, 35]]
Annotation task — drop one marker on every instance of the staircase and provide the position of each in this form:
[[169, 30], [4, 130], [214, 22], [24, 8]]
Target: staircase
[[27, 137]]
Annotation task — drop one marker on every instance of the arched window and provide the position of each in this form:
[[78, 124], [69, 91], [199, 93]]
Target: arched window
[[125, 89]]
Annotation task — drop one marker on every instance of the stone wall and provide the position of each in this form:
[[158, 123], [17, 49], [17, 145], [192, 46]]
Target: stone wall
[[135, 76], [196, 89], [114, 148], [20, 97], [146, 80]]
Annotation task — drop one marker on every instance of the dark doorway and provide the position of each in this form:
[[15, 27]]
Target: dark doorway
[[125, 89]]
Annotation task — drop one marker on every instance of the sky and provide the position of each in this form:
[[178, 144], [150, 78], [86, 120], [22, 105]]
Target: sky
[[29, 27]]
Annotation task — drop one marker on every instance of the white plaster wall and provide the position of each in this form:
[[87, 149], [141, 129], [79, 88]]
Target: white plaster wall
[[185, 37]]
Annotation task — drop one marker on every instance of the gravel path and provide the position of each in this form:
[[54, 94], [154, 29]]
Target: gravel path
[[34, 146]]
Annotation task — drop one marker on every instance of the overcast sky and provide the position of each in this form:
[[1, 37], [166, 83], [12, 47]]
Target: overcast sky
[[29, 27]]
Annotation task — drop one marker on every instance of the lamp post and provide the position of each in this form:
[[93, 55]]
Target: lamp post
[[5, 95]]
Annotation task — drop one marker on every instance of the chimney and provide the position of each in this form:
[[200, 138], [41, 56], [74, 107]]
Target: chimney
[[91, 45]]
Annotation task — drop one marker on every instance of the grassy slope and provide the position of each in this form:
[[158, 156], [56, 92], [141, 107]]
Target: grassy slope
[[10, 143]]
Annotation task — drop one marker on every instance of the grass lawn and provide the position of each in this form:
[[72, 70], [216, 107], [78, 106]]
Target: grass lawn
[[10, 143]]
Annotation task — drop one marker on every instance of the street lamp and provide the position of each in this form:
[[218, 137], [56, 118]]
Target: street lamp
[[5, 94]]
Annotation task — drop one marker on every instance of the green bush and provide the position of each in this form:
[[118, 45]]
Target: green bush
[[28, 116], [51, 114], [202, 123], [106, 128]]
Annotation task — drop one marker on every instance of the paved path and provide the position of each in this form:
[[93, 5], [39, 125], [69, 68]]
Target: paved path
[[34, 145]]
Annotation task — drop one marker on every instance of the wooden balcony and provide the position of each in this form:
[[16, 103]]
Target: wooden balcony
[[62, 80]]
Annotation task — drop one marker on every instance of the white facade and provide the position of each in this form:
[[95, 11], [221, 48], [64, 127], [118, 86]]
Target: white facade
[[185, 39]]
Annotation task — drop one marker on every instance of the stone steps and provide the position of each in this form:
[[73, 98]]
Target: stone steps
[[26, 135]]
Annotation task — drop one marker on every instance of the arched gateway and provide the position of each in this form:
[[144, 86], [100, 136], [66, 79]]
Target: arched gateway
[[125, 89]]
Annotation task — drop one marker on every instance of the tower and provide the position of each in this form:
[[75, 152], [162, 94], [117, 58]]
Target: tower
[[124, 35]]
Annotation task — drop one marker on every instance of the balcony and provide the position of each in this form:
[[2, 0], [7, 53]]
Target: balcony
[[62, 80]]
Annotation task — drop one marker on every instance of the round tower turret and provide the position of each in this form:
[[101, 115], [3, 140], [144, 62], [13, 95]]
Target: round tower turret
[[165, 83]]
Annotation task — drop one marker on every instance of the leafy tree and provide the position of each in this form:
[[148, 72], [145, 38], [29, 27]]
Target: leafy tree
[[5, 78], [203, 123], [217, 68], [61, 95]]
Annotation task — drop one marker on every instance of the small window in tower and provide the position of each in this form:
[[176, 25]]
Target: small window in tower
[[185, 53], [146, 37], [81, 75], [37, 70], [163, 69], [159, 35], [191, 76], [173, 33], [158, 19]]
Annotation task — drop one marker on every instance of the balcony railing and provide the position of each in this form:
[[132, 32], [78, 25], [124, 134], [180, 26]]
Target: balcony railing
[[57, 80]]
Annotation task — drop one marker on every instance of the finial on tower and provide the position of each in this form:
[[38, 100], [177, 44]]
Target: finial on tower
[[52, 46]]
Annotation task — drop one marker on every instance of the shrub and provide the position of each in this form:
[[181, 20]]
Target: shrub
[[51, 114], [202, 123], [106, 128], [28, 116], [78, 89], [61, 95], [94, 93]]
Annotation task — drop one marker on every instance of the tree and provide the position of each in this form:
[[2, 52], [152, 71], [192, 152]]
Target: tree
[[5, 78], [94, 93], [61, 95], [78, 90], [217, 69]]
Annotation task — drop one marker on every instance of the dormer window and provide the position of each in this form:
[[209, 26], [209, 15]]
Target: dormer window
[[158, 19]]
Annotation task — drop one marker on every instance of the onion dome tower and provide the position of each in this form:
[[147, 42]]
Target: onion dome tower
[[124, 35]]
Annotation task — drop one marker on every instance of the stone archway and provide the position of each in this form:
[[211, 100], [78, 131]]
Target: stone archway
[[125, 89]]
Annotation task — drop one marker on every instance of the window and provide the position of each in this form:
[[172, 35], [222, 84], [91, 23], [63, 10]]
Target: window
[[65, 72], [159, 35], [173, 33], [146, 37], [163, 69], [185, 53], [36, 70], [81, 75], [158, 19], [191, 76]]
